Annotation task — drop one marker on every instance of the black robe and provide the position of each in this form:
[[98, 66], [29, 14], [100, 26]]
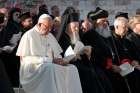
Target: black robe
[[124, 50], [135, 39], [5, 84], [103, 51], [99, 56], [91, 81], [10, 60], [100, 48]]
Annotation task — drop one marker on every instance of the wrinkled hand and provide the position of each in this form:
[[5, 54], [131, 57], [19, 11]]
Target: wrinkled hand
[[77, 57], [8, 49], [137, 67], [135, 64], [60, 61], [87, 50], [116, 68]]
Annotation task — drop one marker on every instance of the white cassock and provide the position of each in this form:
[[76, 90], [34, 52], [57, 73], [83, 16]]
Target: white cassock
[[38, 74]]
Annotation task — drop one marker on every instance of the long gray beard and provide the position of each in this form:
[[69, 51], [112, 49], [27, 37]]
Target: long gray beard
[[105, 32], [75, 37]]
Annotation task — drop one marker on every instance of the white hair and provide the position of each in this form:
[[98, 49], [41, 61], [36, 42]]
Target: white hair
[[43, 17], [119, 21]]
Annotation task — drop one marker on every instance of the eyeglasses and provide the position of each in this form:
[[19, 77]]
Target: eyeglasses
[[45, 25]]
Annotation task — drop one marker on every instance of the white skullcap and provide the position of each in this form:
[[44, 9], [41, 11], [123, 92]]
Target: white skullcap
[[42, 17]]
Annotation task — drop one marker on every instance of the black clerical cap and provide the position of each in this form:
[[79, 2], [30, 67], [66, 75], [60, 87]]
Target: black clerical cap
[[122, 14], [2, 16], [97, 14], [24, 16], [13, 10], [73, 17]]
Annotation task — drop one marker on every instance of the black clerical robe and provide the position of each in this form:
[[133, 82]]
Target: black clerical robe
[[5, 85], [135, 40], [8, 37], [91, 81], [124, 51]]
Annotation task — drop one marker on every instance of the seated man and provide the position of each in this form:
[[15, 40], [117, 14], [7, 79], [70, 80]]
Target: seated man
[[5, 84], [42, 67], [70, 42]]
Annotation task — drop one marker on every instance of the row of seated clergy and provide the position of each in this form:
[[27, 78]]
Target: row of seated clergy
[[91, 80], [112, 50]]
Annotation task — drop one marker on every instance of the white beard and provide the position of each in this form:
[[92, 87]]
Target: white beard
[[105, 32], [74, 37]]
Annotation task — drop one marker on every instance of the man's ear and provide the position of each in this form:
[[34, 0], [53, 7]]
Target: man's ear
[[116, 27], [39, 24]]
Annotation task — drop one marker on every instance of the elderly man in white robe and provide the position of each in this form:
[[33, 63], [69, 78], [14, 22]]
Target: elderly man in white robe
[[43, 70]]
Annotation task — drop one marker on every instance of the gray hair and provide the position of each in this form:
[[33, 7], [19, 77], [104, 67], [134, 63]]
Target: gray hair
[[43, 17], [119, 21]]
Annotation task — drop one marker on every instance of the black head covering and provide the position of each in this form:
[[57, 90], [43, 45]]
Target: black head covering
[[24, 16], [69, 10], [64, 39], [73, 17], [98, 13], [67, 18], [43, 9], [12, 11], [2, 16], [121, 14]]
